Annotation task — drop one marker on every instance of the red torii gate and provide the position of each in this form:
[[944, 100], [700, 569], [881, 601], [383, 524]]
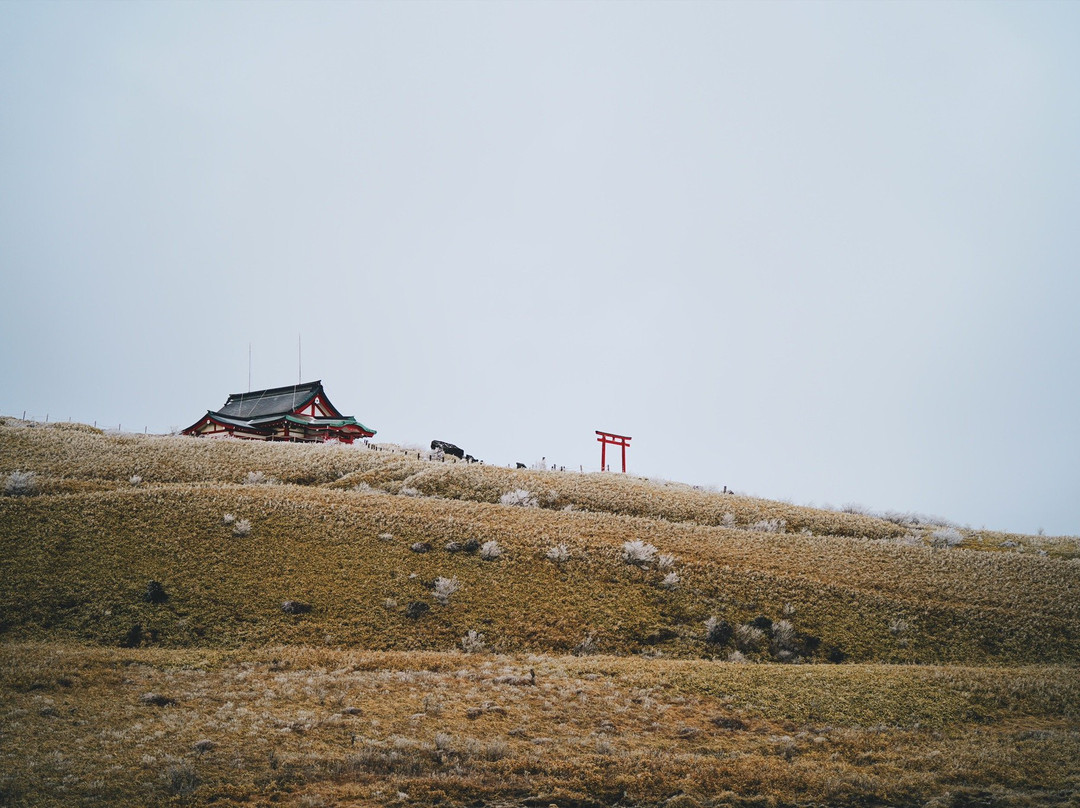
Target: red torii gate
[[615, 440]]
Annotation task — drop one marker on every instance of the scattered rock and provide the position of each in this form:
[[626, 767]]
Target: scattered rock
[[447, 448], [420, 547]]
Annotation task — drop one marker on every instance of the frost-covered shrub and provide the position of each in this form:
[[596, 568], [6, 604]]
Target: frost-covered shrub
[[898, 627], [664, 562], [586, 646], [946, 537], [295, 607], [406, 491], [728, 520], [749, 638], [769, 526], [20, 484], [784, 640], [490, 550], [259, 478], [559, 553], [420, 547], [638, 553], [444, 588], [521, 498], [227, 519], [717, 632], [135, 479], [241, 528], [736, 657], [671, 581], [386, 537], [473, 642]]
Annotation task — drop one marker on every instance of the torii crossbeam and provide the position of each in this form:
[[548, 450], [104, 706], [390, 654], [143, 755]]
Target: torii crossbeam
[[615, 440]]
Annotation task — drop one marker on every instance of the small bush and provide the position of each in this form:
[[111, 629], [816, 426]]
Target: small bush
[[490, 551], [295, 607], [521, 498], [420, 547], [785, 642], [227, 519], [416, 610], [444, 588], [385, 537], [453, 547], [559, 553], [155, 593], [406, 491], [638, 553], [134, 479], [769, 526], [946, 537], [241, 528], [749, 638], [671, 581], [21, 484], [180, 780], [728, 520], [259, 478], [473, 642], [471, 546], [664, 562], [718, 632], [586, 646]]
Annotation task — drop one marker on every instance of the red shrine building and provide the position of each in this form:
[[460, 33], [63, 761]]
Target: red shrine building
[[300, 412]]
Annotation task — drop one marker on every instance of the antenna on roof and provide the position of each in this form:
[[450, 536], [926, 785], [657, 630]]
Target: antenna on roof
[[299, 362], [249, 367]]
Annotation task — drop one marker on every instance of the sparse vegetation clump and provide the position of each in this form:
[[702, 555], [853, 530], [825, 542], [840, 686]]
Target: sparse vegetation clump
[[638, 553], [490, 551], [241, 528], [444, 588], [946, 537], [20, 484], [559, 553], [521, 498], [473, 642]]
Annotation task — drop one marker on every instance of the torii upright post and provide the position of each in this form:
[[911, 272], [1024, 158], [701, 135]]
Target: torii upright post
[[615, 440]]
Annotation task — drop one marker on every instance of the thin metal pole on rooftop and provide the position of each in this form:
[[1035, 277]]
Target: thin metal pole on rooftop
[[249, 367], [299, 362]]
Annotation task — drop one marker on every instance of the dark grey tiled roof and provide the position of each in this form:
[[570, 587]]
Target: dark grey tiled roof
[[275, 401]]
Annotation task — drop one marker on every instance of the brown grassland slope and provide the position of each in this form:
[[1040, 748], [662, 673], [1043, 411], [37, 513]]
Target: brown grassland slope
[[927, 663]]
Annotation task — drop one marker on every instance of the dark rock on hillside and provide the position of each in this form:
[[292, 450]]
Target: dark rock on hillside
[[447, 448], [295, 607]]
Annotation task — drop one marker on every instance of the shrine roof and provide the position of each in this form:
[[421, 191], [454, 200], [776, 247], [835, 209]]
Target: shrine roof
[[274, 401]]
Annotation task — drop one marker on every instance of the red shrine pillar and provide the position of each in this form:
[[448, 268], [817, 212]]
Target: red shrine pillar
[[615, 440]]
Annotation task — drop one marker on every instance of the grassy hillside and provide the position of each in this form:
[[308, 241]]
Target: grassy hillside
[[631, 654]]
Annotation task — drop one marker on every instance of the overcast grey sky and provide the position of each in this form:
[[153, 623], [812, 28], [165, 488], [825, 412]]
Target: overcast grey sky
[[818, 251]]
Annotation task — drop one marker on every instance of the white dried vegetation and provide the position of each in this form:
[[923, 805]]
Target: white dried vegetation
[[473, 642], [521, 498], [444, 588], [559, 553], [20, 484], [490, 550], [241, 529], [638, 553]]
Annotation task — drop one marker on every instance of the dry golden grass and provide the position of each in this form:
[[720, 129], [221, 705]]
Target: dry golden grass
[[322, 727], [653, 718]]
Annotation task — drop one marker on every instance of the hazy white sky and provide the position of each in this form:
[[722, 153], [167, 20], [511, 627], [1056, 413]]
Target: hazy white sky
[[818, 251]]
